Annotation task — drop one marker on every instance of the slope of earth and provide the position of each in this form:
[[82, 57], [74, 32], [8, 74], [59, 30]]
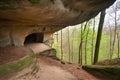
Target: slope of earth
[[9, 54], [14, 59]]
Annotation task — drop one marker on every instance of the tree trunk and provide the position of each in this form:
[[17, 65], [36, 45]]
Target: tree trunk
[[80, 48], [115, 32], [86, 46], [57, 40], [69, 45], [72, 48], [92, 52], [118, 44], [97, 46], [110, 50], [80, 56]]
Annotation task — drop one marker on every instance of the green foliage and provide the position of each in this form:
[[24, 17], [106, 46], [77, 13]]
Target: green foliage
[[111, 72], [74, 43], [75, 38]]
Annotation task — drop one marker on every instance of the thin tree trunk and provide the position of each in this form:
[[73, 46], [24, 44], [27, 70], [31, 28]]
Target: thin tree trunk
[[69, 45], [80, 48], [110, 50], [57, 39], [72, 48], [115, 32], [80, 59], [100, 27], [86, 46], [92, 52], [118, 44]]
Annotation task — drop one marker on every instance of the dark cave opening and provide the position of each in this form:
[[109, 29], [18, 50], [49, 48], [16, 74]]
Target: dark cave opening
[[34, 38]]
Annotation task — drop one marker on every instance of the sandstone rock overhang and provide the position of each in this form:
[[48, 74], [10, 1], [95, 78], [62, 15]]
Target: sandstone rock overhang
[[50, 12], [20, 18]]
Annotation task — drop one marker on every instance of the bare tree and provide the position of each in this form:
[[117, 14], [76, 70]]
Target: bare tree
[[116, 18], [115, 32]]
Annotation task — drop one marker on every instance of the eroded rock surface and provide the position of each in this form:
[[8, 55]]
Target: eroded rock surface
[[19, 18]]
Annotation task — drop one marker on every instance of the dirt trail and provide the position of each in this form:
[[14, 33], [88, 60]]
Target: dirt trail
[[74, 69], [42, 71], [46, 68], [56, 70], [38, 47]]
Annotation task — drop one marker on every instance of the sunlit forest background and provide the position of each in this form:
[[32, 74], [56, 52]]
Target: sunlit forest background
[[77, 43]]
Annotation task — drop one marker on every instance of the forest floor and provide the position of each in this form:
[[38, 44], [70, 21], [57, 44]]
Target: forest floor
[[47, 68]]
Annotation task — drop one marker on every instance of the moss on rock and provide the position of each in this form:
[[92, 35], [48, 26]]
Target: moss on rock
[[17, 65], [108, 71]]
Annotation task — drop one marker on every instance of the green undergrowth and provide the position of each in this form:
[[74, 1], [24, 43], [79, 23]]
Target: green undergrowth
[[108, 71], [17, 65]]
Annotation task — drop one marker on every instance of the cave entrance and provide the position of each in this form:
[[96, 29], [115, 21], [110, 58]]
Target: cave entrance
[[34, 38]]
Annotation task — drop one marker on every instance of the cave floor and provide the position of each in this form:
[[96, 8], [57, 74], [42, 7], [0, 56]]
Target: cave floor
[[47, 68]]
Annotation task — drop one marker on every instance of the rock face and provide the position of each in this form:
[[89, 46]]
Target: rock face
[[19, 18]]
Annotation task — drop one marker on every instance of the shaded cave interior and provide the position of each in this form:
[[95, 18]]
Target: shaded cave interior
[[34, 38]]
